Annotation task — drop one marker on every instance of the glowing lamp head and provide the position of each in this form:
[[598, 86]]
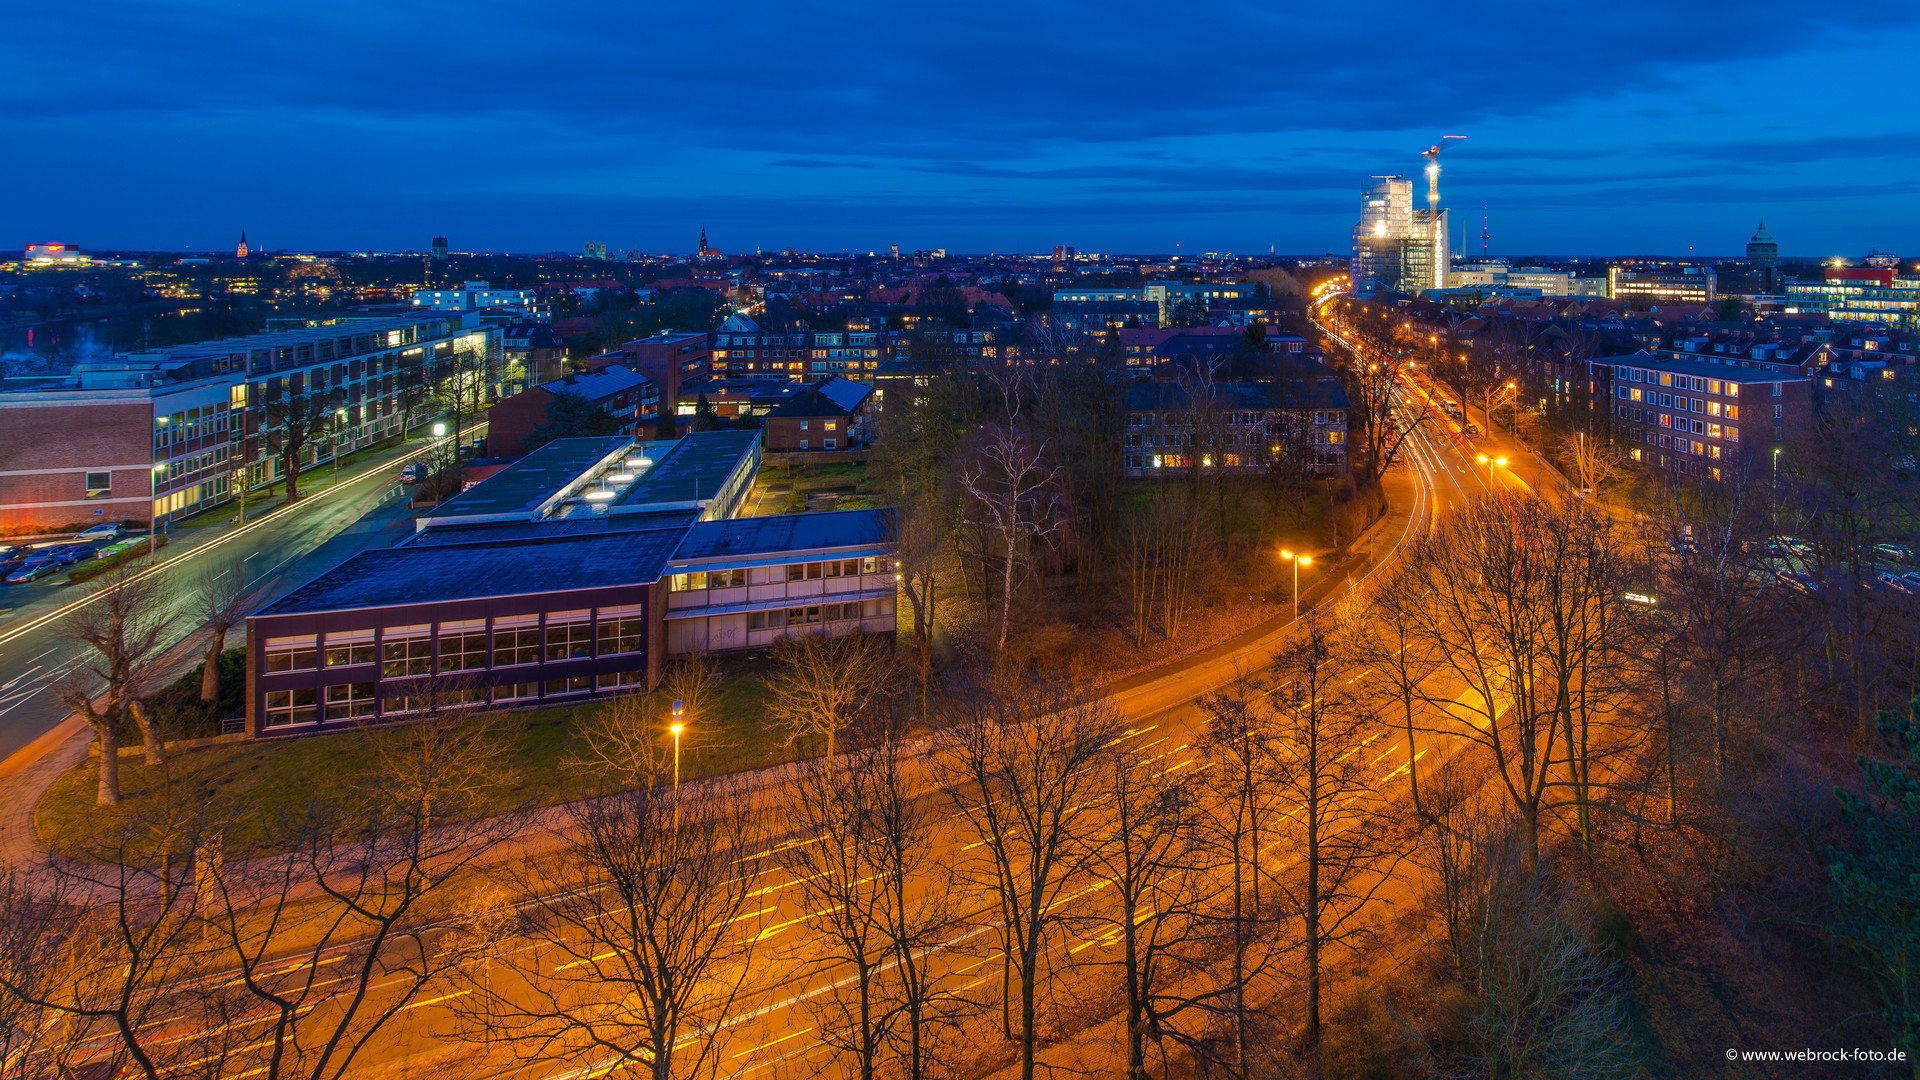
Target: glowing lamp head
[[1483, 459], [676, 728], [1305, 561], [1502, 462]]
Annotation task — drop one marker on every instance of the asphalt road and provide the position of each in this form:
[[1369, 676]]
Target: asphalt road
[[777, 1032], [278, 551]]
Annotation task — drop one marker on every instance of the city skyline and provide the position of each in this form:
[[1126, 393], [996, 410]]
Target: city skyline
[[1653, 131]]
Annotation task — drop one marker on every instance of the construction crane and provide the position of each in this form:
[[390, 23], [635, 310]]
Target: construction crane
[[1432, 154]]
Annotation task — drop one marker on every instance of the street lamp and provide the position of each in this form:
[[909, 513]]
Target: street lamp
[[152, 525], [1298, 561], [1490, 463], [676, 729]]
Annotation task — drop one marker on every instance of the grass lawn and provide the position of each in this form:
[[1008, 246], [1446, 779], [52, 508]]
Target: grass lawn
[[246, 783]]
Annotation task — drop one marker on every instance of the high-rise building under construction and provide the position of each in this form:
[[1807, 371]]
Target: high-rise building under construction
[[1395, 244]]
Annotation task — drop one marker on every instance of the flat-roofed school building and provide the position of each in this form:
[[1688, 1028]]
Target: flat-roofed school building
[[570, 574]]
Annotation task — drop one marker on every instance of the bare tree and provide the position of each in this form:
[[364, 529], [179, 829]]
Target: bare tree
[[1237, 743], [1386, 413], [920, 549], [222, 605], [644, 933], [330, 942], [621, 741], [98, 953], [1011, 487], [461, 386], [1158, 859], [1385, 633], [862, 840], [1525, 602], [1543, 998], [295, 422], [118, 629], [1023, 763], [1340, 828], [823, 683]]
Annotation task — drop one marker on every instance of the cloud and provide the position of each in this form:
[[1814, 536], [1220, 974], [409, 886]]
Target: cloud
[[362, 115]]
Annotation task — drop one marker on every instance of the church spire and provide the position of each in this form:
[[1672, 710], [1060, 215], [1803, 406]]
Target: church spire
[[703, 241], [241, 251]]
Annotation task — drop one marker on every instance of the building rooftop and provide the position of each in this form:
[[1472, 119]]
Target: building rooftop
[[573, 525], [424, 575], [523, 488], [598, 384], [747, 537], [1710, 367], [692, 471]]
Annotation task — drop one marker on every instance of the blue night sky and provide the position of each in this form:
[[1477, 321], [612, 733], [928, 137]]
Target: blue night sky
[[1629, 127]]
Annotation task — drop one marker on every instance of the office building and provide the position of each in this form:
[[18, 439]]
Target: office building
[[165, 434], [569, 575], [1682, 285], [478, 296], [1858, 294]]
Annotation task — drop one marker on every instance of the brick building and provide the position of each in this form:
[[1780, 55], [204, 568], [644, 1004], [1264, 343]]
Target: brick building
[[1696, 416], [161, 435], [832, 415], [630, 398]]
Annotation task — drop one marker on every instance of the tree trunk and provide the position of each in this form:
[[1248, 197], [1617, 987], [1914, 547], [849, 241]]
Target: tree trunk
[[109, 737], [210, 676], [290, 463], [155, 749]]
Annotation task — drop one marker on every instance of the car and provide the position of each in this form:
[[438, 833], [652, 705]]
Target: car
[[413, 473], [110, 531], [1472, 430], [1800, 583], [32, 570], [1894, 552], [74, 553], [1896, 583]]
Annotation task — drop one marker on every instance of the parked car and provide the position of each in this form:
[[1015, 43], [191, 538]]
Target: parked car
[[1471, 430], [1896, 583], [1894, 552], [32, 570], [75, 553], [412, 473], [1800, 583], [103, 533]]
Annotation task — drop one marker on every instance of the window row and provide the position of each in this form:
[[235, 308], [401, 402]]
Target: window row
[[739, 578], [405, 651], [364, 701], [814, 613]]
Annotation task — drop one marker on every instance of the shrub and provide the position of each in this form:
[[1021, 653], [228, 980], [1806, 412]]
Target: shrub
[[178, 711], [90, 570]]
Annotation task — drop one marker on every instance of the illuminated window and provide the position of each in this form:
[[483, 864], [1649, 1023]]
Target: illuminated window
[[350, 649], [292, 654], [405, 650]]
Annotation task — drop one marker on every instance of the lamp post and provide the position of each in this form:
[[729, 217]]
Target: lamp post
[[1490, 463], [153, 523], [676, 728], [1298, 561], [339, 418]]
